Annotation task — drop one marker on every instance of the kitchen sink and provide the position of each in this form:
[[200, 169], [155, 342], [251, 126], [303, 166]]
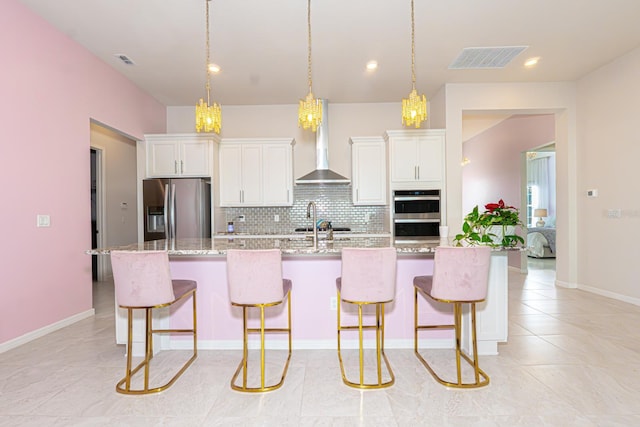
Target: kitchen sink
[[309, 229], [310, 238]]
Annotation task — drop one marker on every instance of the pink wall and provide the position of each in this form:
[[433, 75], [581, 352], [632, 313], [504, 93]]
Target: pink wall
[[51, 87], [495, 169]]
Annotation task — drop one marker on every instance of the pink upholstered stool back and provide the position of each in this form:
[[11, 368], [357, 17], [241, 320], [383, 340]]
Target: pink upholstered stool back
[[142, 279], [254, 276], [461, 273], [368, 274]]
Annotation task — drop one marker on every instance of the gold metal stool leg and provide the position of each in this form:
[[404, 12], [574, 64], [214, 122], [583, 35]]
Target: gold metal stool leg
[[124, 385], [480, 377], [262, 330], [380, 355]]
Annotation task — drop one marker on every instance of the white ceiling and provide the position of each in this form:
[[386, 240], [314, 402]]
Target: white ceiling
[[262, 45]]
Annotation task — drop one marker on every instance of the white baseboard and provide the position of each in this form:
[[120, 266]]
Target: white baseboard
[[566, 284], [598, 291], [609, 294], [30, 336]]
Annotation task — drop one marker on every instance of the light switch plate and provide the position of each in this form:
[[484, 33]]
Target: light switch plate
[[43, 221]]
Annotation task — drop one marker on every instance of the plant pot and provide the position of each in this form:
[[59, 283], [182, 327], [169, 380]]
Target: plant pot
[[499, 231]]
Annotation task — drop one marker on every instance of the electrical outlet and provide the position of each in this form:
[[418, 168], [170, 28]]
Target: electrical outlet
[[241, 218], [333, 304]]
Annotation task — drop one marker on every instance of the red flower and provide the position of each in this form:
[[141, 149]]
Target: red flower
[[493, 206], [500, 205]]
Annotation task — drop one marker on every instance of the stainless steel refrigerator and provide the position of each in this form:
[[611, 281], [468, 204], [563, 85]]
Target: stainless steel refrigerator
[[176, 208]]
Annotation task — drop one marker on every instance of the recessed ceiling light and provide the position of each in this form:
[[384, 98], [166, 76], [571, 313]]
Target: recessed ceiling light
[[531, 62], [214, 68], [372, 65]]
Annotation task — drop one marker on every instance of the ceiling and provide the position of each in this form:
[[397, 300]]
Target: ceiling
[[262, 45]]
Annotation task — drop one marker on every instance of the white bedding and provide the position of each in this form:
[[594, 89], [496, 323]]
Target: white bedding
[[536, 243]]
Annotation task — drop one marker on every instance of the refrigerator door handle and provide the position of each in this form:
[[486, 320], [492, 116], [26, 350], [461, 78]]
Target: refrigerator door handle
[[166, 211], [173, 211]]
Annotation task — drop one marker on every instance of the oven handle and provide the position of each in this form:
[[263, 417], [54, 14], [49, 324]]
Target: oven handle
[[414, 198], [414, 220]]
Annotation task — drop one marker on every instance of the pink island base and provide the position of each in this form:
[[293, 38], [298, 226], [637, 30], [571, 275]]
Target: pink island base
[[313, 316]]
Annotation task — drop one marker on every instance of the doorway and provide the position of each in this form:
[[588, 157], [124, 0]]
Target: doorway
[[97, 212], [539, 190], [114, 214], [493, 148]]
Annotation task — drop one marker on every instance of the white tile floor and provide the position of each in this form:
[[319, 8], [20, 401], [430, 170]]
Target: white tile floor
[[571, 360]]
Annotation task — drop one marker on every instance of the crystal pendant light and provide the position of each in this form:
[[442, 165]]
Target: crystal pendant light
[[208, 115], [310, 109], [414, 108]]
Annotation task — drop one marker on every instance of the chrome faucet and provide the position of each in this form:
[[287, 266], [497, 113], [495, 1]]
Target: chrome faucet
[[313, 225]]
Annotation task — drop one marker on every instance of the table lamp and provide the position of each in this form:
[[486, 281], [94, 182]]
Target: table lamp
[[540, 213]]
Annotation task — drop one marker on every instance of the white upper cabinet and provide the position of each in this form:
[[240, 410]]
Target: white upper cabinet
[[417, 158], [277, 174], [256, 172], [178, 155], [369, 170]]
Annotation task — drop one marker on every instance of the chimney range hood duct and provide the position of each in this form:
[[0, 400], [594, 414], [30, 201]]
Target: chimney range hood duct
[[322, 174]]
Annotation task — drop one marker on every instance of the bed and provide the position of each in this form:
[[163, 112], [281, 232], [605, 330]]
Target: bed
[[541, 242]]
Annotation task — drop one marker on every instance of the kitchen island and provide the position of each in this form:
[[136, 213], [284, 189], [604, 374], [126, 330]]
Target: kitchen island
[[313, 271]]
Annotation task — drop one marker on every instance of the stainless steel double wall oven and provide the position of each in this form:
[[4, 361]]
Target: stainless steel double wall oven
[[416, 215]]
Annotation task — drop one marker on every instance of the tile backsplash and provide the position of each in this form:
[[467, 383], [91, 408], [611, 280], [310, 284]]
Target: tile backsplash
[[333, 203]]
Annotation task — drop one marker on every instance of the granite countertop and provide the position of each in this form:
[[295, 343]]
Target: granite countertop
[[289, 245]]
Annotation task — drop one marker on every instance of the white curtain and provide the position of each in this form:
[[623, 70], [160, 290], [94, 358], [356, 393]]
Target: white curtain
[[538, 175]]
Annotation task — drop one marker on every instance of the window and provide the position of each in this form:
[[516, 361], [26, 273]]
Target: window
[[533, 201]]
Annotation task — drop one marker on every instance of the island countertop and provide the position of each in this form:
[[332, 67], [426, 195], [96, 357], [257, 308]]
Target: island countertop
[[289, 245]]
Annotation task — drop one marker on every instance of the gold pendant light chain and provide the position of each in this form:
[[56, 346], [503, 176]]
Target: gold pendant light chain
[[309, 42], [413, 49], [208, 47]]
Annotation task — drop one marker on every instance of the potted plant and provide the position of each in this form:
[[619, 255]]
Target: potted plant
[[495, 227]]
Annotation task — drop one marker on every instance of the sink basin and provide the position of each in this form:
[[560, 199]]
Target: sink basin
[[320, 239], [309, 229]]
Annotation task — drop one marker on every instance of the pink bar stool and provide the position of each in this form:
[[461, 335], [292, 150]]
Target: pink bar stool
[[143, 282], [368, 277], [460, 276], [254, 278]]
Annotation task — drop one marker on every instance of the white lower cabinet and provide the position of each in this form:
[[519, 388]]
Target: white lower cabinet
[[256, 172], [369, 170]]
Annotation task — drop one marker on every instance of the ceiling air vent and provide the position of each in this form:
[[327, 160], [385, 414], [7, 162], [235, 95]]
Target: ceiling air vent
[[475, 58], [124, 58]]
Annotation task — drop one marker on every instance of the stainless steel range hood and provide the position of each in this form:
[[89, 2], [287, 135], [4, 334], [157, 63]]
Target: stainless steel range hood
[[322, 174]]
